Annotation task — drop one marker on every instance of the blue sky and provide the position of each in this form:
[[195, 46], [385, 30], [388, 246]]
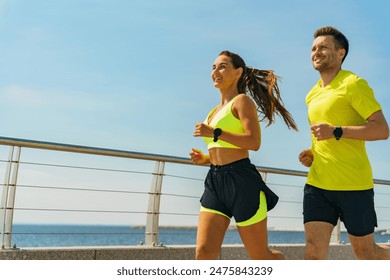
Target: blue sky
[[135, 75]]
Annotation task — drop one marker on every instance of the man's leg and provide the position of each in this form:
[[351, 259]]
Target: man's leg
[[317, 240], [365, 248]]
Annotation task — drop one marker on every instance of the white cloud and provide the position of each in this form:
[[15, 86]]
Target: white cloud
[[15, 94]]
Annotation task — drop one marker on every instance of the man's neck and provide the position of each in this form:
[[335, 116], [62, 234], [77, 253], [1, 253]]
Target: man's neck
[[328, 76]]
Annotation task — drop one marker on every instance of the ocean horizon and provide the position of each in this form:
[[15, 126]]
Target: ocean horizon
[[28, 235]]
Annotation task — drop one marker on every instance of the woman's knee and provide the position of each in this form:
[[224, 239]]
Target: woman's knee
[[206, 253]]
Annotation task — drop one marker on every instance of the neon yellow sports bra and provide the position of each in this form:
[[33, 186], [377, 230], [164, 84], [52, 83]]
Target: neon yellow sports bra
[[225, 120]]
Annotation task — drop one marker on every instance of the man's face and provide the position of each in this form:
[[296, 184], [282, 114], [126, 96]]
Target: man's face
[[325, 55]]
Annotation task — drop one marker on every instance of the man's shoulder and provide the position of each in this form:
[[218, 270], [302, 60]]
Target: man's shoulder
[[354, 84], [349, 76]]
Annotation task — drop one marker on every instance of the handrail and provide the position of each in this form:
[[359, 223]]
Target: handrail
[[121, 153], [6, 207], [135, 155], [89, 150]]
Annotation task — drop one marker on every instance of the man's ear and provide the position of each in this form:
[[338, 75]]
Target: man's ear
[[342, 53]]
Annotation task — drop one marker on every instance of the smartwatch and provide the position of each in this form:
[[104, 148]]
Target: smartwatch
[[217, 132], [338, 132]]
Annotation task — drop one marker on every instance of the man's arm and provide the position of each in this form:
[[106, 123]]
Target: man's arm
[[376, 128]]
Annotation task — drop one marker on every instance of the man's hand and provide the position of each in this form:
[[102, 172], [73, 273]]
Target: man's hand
[[306, 157], [322, 131]]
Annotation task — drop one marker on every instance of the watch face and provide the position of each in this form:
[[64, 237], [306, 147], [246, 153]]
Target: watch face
[[338, 132], [217, 132]]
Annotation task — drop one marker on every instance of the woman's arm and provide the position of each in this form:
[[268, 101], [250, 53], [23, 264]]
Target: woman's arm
[[244, 109]]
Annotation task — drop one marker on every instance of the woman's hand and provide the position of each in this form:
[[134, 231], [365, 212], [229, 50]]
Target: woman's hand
[[202, 129], [197, 157], [306, 157]]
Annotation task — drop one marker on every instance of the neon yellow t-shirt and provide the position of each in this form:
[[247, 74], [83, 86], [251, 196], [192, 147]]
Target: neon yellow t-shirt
[[341, 164]]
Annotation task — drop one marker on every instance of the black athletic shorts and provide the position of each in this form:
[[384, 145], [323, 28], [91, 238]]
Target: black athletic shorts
[[354, 208], [234, 189]]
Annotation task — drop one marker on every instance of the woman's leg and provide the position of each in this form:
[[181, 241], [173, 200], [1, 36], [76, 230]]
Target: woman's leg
[[211, 232], [255, 239]]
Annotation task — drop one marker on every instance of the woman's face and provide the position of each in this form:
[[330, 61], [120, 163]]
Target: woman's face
[[224, 75]]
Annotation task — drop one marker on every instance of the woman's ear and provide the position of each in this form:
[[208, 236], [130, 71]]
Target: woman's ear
[[239, 71]]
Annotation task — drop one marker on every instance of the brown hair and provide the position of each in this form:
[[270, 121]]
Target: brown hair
[[263, 88], [339, 39]]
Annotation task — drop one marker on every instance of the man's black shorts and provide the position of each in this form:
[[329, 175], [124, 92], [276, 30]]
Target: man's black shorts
[[354, 208]]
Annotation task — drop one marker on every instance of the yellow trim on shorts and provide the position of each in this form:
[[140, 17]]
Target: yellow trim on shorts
[[260, 215], [204, 209]]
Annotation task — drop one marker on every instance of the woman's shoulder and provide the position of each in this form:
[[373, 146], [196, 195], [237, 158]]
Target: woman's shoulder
[[243, 101]]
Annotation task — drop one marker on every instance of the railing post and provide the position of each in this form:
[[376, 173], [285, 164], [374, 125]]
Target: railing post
[[336, 234], [152, 218], [8, 197], [264, 176]]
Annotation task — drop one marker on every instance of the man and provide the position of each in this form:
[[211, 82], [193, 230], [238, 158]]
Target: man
[[343, 114]]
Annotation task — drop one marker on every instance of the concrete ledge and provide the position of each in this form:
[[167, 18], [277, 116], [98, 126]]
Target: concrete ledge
[[142, 252]]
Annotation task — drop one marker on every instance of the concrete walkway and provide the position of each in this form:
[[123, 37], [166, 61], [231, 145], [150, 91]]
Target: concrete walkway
[[142, 252]]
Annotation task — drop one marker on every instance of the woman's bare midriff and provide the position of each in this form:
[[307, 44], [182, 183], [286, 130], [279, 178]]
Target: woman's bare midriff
[[222, 156]]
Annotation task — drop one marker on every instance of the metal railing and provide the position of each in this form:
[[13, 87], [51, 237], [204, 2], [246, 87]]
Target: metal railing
[[153, 211]]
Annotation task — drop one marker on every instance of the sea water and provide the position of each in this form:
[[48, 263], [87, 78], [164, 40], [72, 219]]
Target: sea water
[[98, 235]]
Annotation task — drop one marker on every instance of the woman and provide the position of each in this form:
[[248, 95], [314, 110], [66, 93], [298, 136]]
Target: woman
[[233, 186]]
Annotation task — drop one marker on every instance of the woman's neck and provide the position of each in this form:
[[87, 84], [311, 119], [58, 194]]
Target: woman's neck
[[227, 95]]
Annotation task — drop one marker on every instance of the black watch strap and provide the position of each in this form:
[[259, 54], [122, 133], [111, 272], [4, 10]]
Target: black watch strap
[[338, 132], [217, 132]]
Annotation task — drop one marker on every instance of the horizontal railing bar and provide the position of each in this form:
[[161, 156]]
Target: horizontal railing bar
[[100, 190], [75, 233], [118, 153], [180, 195], [80, 189], [84, 167], [105, 169], [101, 211], [89, 150], [80, 210], [135, 155], [280, 171], [382, 182]]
